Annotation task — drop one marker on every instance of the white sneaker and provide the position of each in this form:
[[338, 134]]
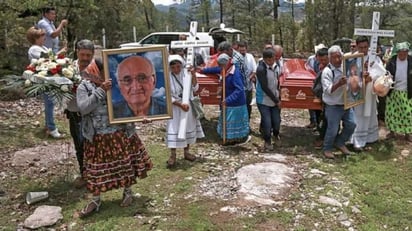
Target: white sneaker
[[55, 134]]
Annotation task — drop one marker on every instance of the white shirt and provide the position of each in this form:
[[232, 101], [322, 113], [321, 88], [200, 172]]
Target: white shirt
[[401, 75], [35, 51]]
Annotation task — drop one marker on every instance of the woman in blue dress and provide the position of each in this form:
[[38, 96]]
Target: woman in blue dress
[[234, 103]]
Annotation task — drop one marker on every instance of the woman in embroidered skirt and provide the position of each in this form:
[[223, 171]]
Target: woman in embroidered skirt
[[237, 119], [114, 155], [398, 116], [193, 128]]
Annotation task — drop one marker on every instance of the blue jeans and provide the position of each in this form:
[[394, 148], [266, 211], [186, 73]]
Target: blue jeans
[[49, 113], [269, 120], [334, 114]]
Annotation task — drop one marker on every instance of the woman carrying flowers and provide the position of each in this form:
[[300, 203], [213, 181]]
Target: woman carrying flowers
[[37, 37]]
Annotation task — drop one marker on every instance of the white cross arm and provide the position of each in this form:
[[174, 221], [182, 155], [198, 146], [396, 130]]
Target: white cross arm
[[187, 43], [370, 32]]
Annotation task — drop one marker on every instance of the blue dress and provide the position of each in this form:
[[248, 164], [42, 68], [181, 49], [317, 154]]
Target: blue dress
[[237, 116]]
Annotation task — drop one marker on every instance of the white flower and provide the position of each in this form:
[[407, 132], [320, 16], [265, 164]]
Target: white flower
[[51, 65], [77, 78], [42, 73], [33, 62], [67, 72], [27, 83], [27, 74], [61, 61], [42, 67], [41, 60], [64, 88]]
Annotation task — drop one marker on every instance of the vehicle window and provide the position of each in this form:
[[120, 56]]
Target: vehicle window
[[154, 39], [166, 39]]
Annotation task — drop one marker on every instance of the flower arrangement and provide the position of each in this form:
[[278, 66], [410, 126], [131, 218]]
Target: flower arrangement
[[51, 74], [51, 68]]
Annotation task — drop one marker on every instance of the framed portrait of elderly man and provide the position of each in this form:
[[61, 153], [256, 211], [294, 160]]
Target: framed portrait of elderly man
[[353, 69], [140, 84]]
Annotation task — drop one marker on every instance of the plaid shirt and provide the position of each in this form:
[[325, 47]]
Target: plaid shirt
[[239, 60]]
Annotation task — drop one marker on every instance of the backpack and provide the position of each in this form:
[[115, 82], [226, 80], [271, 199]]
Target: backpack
[[317, 84]]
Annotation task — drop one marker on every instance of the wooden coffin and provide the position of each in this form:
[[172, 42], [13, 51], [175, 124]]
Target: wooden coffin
[[210, 89], [296, 83]]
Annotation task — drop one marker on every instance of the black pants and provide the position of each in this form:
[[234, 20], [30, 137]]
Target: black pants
[[381, 108], [322, 123], [76, 133], [249, 96]]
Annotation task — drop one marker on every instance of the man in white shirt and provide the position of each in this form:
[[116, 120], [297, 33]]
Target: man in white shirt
[[250, 71]]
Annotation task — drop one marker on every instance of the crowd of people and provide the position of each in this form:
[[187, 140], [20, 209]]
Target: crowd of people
[[112, 156]]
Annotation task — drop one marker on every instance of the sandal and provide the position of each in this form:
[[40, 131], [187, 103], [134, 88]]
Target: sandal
[[328, 155], [171, 162], [127, 200], [344, 150], [91, 207], [189, 157]]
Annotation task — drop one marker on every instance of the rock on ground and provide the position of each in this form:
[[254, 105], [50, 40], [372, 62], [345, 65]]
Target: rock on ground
[[43, 216]]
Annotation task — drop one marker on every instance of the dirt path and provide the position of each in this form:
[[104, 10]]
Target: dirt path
[[246, 180]]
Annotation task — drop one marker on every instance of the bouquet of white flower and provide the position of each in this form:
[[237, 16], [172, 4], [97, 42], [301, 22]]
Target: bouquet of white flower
[[54, 75]]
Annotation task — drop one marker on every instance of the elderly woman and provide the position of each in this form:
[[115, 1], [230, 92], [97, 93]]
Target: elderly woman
[[398, 117], [234, 103], [37, 37], [114, 155], [194, 128]]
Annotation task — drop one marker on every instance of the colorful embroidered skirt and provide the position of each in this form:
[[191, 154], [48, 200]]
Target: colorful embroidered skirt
[[114, 161], [398, 116], [237, 124]]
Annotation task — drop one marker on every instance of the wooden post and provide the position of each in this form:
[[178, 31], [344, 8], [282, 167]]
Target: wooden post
[[223, 73], [134, 33], [104, 38]]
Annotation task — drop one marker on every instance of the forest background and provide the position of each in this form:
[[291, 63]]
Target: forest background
[[297, 29]]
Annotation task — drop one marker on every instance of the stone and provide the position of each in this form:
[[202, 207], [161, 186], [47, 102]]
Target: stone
[[43, 216], [346, 223], [405, 153], [355, 209], [329, 201], [262, 182]]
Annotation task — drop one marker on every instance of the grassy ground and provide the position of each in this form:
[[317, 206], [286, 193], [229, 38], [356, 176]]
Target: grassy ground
[[377, 182]]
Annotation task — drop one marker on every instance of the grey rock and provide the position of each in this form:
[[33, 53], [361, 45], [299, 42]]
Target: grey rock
[[43, 216], [329, 201]]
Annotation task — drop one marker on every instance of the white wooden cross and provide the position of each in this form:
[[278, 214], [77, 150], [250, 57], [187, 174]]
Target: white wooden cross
[[375, 33], [190, 43]]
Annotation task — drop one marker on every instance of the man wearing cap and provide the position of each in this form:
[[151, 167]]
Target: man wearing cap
[[398, 116]]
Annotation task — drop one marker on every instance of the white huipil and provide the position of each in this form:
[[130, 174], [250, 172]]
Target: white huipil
[[194, 128], [367, 129]]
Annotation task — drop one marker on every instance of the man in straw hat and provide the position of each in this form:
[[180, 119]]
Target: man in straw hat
[[398, 116]]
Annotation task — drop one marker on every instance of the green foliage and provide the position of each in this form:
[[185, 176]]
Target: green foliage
[[324, 22]]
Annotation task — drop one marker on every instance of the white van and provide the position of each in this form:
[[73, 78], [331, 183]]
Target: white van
[[165, 38]]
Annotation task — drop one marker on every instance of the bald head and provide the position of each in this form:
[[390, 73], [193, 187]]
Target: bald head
[[136, 78]]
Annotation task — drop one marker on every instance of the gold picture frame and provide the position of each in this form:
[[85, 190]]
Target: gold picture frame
[[140, 84], [353, 70]]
